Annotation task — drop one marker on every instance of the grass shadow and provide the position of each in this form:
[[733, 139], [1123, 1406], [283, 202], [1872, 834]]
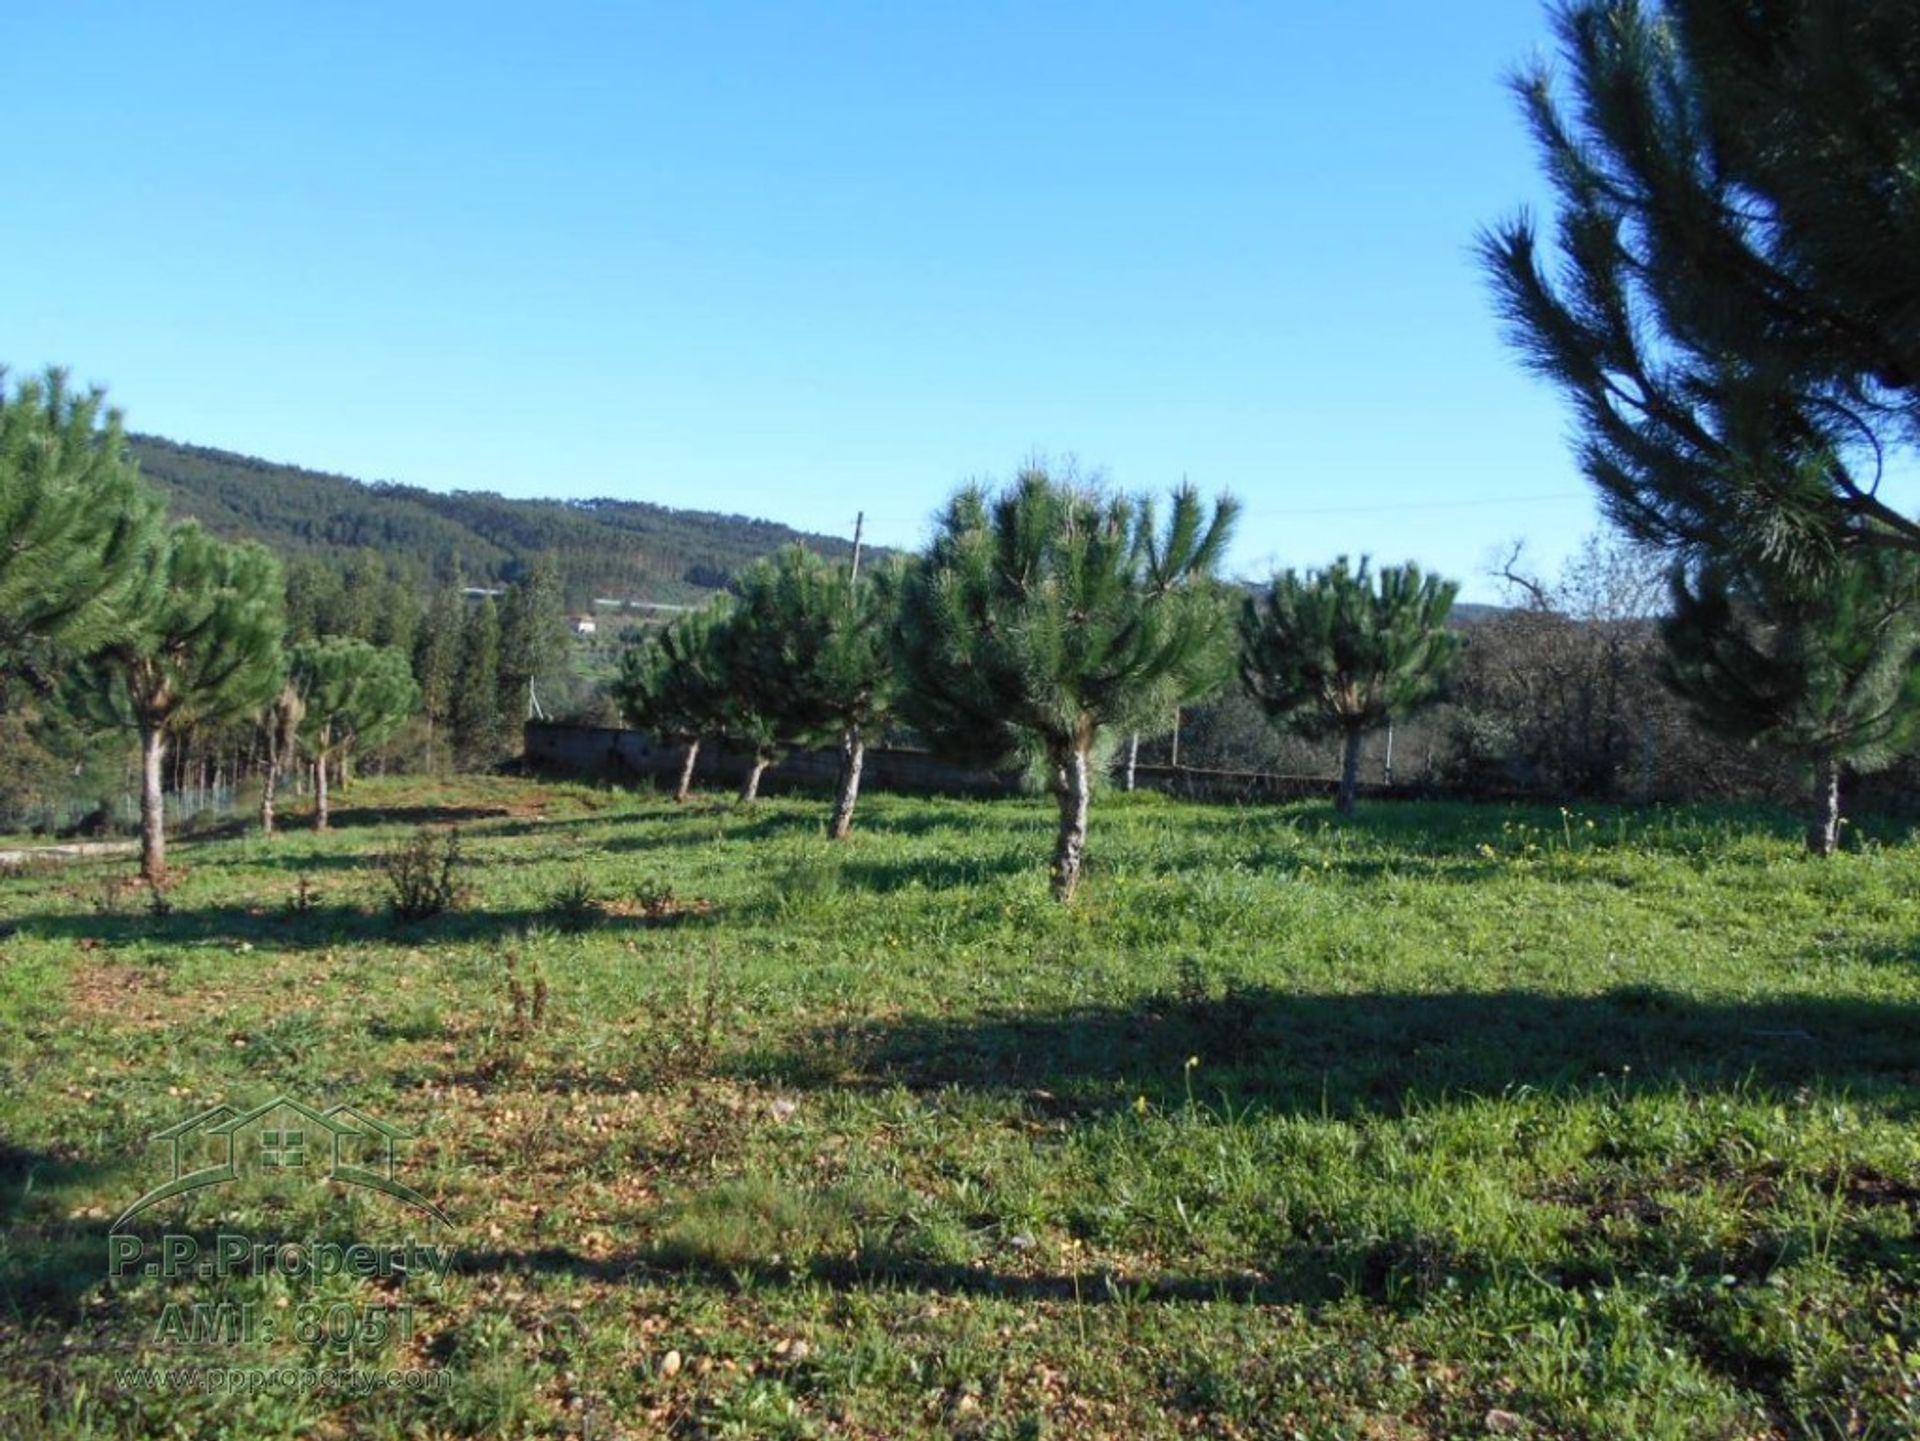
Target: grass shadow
[[328, 925], [1346, 1054]]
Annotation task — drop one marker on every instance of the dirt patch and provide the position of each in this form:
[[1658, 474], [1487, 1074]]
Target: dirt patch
[[531, 805], [664, 910], [129, 997]]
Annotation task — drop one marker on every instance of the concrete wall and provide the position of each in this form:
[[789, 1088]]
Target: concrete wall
[[630, 755], [626, 754]]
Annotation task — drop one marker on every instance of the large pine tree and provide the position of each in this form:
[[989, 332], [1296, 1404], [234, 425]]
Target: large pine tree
[[78, 529], [533, 639], [436, 663], [1735, 307], [1051, 612]]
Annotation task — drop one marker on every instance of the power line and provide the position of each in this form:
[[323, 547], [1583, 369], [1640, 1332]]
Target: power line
[[1388, 508], [1421, 505]]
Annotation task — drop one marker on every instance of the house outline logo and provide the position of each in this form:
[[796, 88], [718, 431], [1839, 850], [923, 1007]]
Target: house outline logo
[[287, 1146]]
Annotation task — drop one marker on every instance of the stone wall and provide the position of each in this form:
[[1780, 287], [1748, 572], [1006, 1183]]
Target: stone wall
[[629, 755]]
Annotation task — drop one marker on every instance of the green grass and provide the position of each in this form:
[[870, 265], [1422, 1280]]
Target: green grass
[[1455, 1118]]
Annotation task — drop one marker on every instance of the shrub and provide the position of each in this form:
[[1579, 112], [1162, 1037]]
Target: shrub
[[526, 1003], [574, 907], [423, 874]]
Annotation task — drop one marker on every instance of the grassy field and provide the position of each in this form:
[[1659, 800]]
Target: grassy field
[[1453, 1121]]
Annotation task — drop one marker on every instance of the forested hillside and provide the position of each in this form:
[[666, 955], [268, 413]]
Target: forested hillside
[[619, 548]]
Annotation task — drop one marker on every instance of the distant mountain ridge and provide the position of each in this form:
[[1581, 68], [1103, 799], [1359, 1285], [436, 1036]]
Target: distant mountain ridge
[[619, 548]]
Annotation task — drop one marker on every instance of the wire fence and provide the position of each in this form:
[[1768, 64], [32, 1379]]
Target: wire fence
[[116, 814]]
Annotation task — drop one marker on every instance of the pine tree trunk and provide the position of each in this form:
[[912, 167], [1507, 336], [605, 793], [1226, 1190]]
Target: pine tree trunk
[[687, 763], [153, 825], [266, 797], [1823, 836], [1071, 791], [853, 756], [1133, 757], [750, 792], [1349, 773], [320, 792]]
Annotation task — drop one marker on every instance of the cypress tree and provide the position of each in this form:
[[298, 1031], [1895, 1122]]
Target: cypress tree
[[533, 638], [436, 662], [479, 731], [1828, 674], [1338, 652], [1041, 616]]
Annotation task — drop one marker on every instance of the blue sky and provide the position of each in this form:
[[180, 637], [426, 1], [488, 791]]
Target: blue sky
[[799, 260]]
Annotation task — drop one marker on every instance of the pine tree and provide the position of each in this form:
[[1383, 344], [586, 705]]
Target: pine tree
[[479, 730], [1828, 674], [78, 529], [352, 693], [748, 696], [1736, 313], [206, 648], [279, 724], [671, 685], [1040, 616], [1339, 652], [813, 646]]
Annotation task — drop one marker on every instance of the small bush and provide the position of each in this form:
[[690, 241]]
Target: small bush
[[526, 1003], [110, 899], [689, 1018], [574, 907], [305, 899], [654, 898], [423, 874]]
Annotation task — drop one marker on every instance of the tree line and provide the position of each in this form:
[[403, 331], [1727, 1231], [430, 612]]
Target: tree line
[[1043, 621], [1729, 299], [115, 622], [1734, 309]]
